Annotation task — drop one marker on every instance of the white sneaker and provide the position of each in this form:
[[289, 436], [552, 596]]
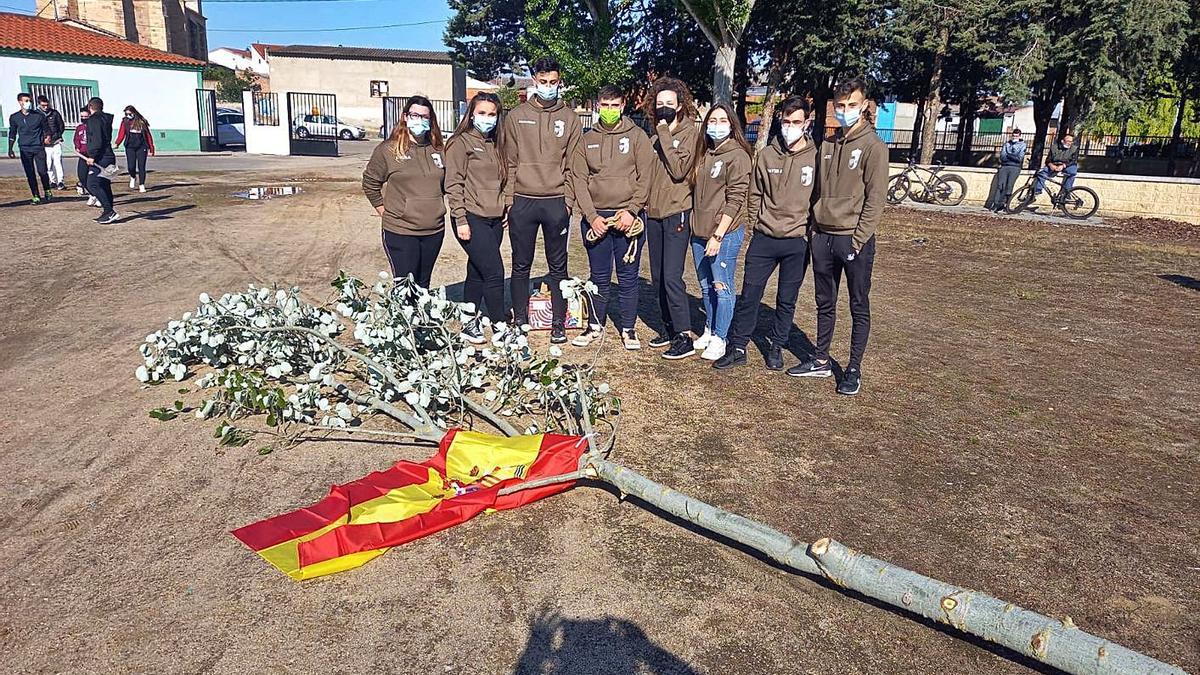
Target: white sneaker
[[92, 201], [132, 183], [588, 336], [142, 188], [79, 190], [702, 341], [630, 339], [714, 350]]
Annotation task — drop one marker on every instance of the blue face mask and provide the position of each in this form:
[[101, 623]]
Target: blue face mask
[[547, 92], [26, 105], [717, 132], [417, 126], [483, 123], [847, 119]]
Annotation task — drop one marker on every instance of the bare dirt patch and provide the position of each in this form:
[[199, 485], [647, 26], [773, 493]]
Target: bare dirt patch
[[1028, 427]]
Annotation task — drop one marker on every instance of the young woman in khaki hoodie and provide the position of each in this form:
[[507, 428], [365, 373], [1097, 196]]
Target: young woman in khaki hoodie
[[721, 181], [410, 164], [475, 177]]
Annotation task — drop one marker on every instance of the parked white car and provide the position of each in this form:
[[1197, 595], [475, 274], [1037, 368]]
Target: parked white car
[[231, 127], [326, 126]]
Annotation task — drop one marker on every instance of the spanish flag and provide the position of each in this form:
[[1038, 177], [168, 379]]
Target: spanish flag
[[362, 519]]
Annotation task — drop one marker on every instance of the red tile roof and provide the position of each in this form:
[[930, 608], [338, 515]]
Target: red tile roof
[[33, 34]]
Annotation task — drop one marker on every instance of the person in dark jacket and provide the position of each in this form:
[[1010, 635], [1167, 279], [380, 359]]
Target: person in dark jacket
[[139, 144], [1012, 157], [55, 126], [27, 128], [81, 167], [100, 156], [1064, 158]]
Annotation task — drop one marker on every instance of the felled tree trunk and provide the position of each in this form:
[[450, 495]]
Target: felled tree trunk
[[1057, 643]]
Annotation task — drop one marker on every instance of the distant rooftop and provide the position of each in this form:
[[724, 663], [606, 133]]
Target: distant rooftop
[[360, 53]]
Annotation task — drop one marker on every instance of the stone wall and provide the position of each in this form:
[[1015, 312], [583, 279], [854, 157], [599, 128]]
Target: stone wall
[[1120, 196]]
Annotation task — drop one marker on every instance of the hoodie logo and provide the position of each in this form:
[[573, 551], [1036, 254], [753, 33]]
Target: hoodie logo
[[716, 170], [623, 145], [806, 176], [437, 159], [854, 157], [675, 143], [560, 128]]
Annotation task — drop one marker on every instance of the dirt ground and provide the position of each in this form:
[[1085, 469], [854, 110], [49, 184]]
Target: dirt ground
[[1028, 427]]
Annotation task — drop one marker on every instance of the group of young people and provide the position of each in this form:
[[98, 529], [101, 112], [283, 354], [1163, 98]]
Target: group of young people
[[37, 132], [688, 187]]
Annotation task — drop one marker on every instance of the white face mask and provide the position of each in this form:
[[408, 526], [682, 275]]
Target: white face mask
[[717, 132], [484, 123], [792, 133], [26, 105], [547, 92]]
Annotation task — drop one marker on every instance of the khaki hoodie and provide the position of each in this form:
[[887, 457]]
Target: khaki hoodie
[[782, 189], [853, 179], [539, 140], [721, 187], [611, 169], [473, 177], [670, 191], [413, 202]]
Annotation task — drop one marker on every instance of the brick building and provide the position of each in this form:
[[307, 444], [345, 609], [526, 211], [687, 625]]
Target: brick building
[[175, 26]]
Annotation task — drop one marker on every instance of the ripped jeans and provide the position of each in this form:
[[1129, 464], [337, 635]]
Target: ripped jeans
[[716, 280]]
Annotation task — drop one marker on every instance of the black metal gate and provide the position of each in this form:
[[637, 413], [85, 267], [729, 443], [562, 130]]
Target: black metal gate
[[312, 119], [206, 112], [446, 111]]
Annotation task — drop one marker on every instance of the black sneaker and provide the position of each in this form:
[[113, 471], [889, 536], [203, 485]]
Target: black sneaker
[[472, 331], [733, 358], [681, 348], [775, 357], [112, 217], [811, 368], [659, 341], [558, 334], [851, 382]]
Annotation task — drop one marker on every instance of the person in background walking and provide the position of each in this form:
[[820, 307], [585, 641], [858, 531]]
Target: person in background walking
[[139, 143], [611, 168], [99, 157], [81, 165], [409, 163], [720, 179], [540, 137], [1012, 157], [669, 210], [27, 128], [1064, 157], [852, 184], [475, 177], [55, 126], [781, 196]]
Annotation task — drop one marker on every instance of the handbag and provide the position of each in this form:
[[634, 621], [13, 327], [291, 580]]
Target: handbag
[[541, 311]]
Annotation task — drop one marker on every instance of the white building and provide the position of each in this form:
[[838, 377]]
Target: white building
[[231, 58], [69, 65]]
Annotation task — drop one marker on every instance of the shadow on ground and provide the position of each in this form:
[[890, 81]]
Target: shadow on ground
[[604, 645]]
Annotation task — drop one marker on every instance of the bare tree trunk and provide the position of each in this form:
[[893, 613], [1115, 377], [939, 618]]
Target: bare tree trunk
[[1176, 133], [934, 106], [914, 147], [966, 130], [1057, 643], [774, 77], [723, 67], [1043, 108]]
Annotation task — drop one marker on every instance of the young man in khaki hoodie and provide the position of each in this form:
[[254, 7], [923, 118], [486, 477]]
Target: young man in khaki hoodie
[[540, 138], [782, 188], [852, 180], [611, 168]]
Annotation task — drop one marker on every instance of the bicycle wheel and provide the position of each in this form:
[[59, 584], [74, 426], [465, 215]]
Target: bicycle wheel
[[1080, 203], [1020, 200], [949, 190], [897, 189]]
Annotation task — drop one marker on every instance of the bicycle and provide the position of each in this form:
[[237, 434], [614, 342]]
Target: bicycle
[[946, 189], [1079, 203]]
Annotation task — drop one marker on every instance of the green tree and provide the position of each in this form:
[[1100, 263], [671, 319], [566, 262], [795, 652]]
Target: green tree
[[723, 22], [482, 36], [667, 41], [586, 38], [229, 83]]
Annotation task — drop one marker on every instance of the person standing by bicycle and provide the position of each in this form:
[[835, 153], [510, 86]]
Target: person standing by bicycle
[[1012, 157], [1064, 158]]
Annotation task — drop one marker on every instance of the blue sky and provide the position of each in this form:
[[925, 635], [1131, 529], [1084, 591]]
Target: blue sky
[[237, 24]]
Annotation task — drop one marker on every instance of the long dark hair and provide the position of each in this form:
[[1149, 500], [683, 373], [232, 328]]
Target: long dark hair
[[138, 123], [704, 143], [401, 138], [496, 134]]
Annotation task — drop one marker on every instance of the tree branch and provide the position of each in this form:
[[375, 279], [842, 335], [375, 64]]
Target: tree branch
[[420, 428], [708, 33]]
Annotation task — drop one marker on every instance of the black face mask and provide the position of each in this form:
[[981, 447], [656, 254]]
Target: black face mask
[[665, 114]]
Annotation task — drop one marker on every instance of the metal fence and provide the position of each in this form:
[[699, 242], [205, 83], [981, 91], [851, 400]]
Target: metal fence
[[1090, 145], [67, 99], [393, 106], [266, 108]]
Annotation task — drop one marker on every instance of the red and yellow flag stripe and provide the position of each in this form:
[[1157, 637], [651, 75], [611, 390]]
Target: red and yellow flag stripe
[[362, 519]]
